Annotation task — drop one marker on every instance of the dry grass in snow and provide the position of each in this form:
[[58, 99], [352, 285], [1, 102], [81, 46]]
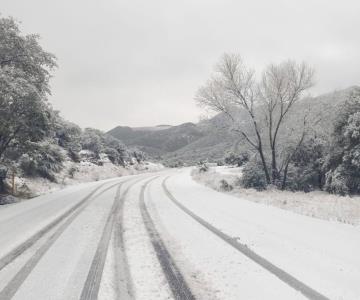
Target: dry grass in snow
[[315, 204], [84, 171]]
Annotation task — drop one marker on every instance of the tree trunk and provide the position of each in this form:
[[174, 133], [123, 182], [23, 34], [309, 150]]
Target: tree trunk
[[2, 186], [320, 180], [262, 157], [274, 171], [283, 184]]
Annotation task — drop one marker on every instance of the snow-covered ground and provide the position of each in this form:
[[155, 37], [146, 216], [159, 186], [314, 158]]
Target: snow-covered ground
[[315, 204], [322, 254], [319, 254]]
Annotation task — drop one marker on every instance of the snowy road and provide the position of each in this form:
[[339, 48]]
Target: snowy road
[[163, 236]]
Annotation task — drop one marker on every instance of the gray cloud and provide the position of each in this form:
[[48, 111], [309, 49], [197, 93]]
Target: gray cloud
[[140, 62]]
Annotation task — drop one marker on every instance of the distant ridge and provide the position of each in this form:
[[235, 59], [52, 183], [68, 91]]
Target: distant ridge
[[158, 140]]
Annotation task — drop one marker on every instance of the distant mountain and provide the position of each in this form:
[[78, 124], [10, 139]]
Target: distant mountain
[[160, 140], [211, 139]]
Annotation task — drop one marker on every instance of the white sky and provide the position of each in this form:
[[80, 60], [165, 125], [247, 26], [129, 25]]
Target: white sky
[[140, 63]]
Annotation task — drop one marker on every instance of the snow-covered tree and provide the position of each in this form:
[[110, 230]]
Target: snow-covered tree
[[68, 136], [91, 140], [259, 110], [43, 159], [25, 115], [236, 159], [343, 161], [99, 142]]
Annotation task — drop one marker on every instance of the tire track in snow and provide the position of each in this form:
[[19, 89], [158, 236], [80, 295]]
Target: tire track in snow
[[123, 279], [13, 254], [290, 280], [176, 281], [92, 284], [14, 284]]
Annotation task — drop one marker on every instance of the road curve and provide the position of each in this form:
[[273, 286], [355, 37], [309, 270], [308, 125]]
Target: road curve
[[163, 236]]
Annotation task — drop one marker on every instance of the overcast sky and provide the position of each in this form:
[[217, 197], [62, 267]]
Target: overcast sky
[[140, 63]]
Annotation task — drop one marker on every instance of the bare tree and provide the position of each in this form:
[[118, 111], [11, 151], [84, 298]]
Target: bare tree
[[280, 88], [267, 103], [233, 87]]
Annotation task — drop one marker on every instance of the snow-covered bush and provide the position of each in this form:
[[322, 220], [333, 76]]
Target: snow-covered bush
[[225, 186], [343, 161], [72, 171], [44, 160], [68, 137], [236, 159], [219, 163], [138, 155], [306, 172], [253, 176], [91, 140], [336, 182], [113, 155], [203, 167]]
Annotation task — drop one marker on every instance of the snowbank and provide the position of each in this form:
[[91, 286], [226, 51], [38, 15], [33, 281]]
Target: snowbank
[[74, 173], [314, 204]]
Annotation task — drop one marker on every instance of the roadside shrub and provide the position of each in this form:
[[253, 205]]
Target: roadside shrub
[[203, 167], [225, 186], [236, 159], [44, 160], [74, 155], [72, 171], [343, 161], [220, 163], [139, 156], [305, 172], [253, 176], [173, 164], [113, 155]]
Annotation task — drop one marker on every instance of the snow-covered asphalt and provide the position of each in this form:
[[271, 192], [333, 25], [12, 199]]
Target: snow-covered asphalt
[[164, 236]]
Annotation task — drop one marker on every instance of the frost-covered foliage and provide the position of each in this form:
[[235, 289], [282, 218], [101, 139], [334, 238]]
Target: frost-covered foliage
[[173, 163], [25, 115], [225, 186], [44, 159], [138, 155], [24, 85], [343, 161], [98, 142], [306, 170], [68, 136], [253, 175], [91, 140], [203, 167], [235, 159], [320, 161]]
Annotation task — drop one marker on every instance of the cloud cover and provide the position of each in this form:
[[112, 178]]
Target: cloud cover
[[140, 63]]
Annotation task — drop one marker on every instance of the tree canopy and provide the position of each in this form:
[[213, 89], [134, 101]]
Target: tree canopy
[[25, 70]]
